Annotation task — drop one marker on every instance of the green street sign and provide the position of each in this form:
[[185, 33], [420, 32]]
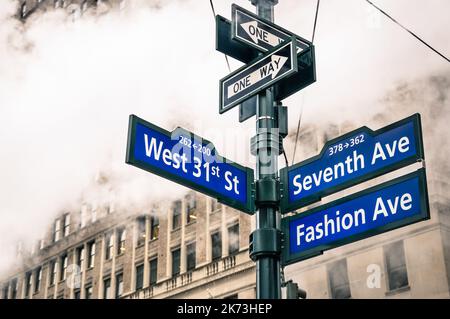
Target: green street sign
[[230, 47]]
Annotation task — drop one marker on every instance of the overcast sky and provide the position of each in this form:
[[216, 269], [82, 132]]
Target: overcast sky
[[66, 89]]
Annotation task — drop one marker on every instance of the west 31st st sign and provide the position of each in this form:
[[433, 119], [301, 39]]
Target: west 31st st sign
[[189, 160]]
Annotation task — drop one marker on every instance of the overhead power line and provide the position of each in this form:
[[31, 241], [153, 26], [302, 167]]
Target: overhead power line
[[298, 129], [301, 109], [409, 31], [315, 21]]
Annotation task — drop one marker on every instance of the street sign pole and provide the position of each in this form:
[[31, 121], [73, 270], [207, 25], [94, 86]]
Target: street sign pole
[[265, 241]]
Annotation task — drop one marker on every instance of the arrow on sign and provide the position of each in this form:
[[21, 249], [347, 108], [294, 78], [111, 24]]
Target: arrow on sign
[[256, 33], [259, 33], [270, 69], [254, 77]]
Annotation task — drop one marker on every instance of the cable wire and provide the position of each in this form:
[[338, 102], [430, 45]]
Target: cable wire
[[285, 158], [315, 21], [303, 100], [409, 31], [298, 129], [214, 16]]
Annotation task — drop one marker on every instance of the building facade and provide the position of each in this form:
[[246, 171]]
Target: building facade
[[74, 8], [410, 262], [195, 248]]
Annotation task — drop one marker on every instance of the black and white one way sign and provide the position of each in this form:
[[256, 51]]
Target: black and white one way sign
[[253, 78], [261, 34]]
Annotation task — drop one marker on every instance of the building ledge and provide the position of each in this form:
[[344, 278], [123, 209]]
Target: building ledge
[[202, 275], [397, 291]]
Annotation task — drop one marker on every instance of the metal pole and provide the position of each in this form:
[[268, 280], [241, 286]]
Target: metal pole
[[268, 278]]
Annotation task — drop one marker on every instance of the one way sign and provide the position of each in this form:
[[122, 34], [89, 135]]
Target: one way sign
[[263, 35], [255, 77]]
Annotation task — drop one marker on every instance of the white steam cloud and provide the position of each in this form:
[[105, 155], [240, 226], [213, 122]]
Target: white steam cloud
[[67, 88]]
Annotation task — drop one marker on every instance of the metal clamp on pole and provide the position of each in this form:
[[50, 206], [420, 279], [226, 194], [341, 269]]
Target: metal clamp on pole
[[266, 140], [267, 192], [265, 241]]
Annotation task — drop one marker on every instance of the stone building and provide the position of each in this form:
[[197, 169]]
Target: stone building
[[200, 248], [74, 8], [194, 248], [410, 262]]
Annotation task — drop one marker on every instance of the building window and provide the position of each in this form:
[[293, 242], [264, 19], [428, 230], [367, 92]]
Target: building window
[[154, 227], [66, 225], [80, 257], [23, 10], [5, 291], [191, 205], [63, 269], [396, 265], [88, 292], [77, 294], [153, 271], [91, 257], [107, 288], [94, 213], [19, 249], [109, 246], [176, 215], [110, 208], [119, 285], [338, 276], [33, 249], [84, 6], [216, 246], [175, 262], [215, 205], [139, 277], [53, 271], [121, 236], [233, 239], [56, 230], [83, 216], [122, 4], [14, 287], [28, 284], [140, 230], [37, 279], [190, 256]]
